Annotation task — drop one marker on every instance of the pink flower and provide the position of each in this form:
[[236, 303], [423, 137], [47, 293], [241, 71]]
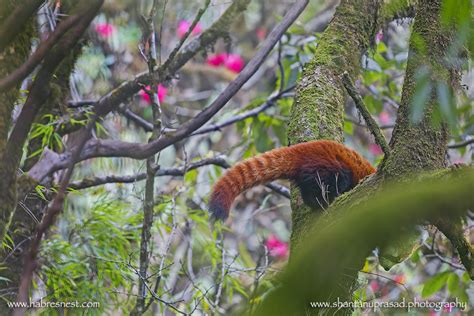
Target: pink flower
[[162, 92], [277, 248], [216, 60], [234, 62], [184, 26], [379, 36], [261, 33], [375, 149], [400, 279], [374, 285], [384, 117], [105, 29]]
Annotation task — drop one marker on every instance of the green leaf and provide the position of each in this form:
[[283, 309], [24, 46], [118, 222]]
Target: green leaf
[[348, 128], [421, 96], [453, 283], [190, 176], [260, 137], [434, 284], [446, 104]]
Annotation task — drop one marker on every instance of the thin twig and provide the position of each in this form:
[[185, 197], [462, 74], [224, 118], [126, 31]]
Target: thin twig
[[186, 35], [358, 123], [242, 116], [467, 142], [371, 124]]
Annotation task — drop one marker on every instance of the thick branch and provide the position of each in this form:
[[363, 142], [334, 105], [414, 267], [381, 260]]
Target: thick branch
[[24, 70], [16, 19], [422, 145], [56, 205], [316, 274]]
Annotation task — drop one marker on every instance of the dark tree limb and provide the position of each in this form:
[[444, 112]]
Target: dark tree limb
[[357, 122], [465, 143], [24, 70], [244, 115], [16, 19], [454, 231]]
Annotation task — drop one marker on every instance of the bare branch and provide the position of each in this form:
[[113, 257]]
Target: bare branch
[[467, 142], [358, 123], [188, 32], [114, 98], [242, 116]]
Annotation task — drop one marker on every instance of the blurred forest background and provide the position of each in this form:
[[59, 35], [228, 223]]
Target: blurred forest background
[[94, 252]]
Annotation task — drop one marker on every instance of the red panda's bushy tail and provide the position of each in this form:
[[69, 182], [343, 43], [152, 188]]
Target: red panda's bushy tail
[[260, 169], [309, 165]]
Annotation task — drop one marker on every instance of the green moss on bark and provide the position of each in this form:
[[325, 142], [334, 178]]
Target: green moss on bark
[[318, 109], [422, 146]]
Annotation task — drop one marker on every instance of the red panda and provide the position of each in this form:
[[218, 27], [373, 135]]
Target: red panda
[[321, 170]]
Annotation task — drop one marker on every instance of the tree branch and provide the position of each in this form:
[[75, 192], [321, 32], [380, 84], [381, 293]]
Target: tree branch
[[24, 70], [242, 116], [36, 98], [467, 142], [16, 19], [371, 124]]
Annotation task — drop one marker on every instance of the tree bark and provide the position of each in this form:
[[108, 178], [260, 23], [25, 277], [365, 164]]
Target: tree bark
[[318, 109]]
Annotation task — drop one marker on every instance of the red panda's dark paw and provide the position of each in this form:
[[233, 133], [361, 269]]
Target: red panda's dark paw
[[218, 212]]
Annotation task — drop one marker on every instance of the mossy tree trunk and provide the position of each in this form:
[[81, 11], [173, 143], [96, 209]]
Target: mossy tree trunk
[[318, 109]]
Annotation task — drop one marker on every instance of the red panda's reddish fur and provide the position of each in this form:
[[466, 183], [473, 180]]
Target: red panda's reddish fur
[[306, 164]]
